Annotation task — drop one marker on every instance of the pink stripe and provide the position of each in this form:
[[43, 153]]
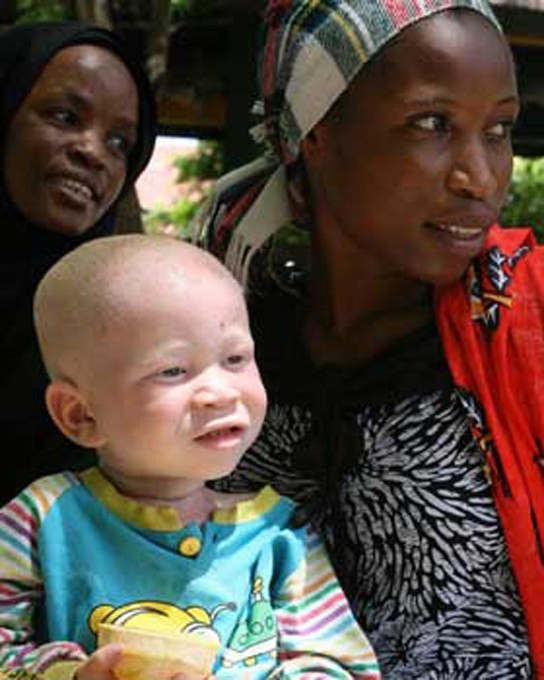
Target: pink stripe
[[19, 507], [4, 635], [7, 590], [19, 658], [16, 599], [397, 12], [17, 528], [63, 651], [294, 627], [311, 611]]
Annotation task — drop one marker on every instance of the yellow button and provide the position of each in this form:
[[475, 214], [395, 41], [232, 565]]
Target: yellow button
[[190, 546]]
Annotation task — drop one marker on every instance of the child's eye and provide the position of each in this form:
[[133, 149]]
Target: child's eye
[[236, 359], [173, 372]]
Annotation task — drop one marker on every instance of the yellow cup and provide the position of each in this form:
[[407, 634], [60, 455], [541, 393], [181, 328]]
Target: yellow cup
[[149, 655]]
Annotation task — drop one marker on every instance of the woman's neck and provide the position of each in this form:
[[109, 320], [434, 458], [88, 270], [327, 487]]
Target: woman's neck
[[356, 311]]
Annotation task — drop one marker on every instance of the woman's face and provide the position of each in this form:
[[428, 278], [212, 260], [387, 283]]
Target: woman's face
[[411, 167], [67, 146]]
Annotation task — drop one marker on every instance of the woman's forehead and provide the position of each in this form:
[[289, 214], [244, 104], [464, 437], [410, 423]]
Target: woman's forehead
[[87, 57], [441, 63], [441, 41], [313, 51]]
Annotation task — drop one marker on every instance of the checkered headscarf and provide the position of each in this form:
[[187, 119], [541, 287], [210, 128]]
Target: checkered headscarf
[[312, 50]]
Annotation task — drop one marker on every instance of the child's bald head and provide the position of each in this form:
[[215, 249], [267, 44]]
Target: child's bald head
[[88, 292]]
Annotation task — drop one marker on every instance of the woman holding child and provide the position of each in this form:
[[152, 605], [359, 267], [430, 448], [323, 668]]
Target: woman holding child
[[399, 329]]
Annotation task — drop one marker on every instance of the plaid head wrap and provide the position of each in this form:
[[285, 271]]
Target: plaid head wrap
[[312, 50]]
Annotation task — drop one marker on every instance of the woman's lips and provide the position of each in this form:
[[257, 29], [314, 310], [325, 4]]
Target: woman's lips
[[75, 190], [460, 232]]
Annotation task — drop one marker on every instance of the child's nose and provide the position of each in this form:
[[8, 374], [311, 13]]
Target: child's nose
[[216, 389]]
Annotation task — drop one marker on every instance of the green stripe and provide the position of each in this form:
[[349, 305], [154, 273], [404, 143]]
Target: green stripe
[[309, 600]]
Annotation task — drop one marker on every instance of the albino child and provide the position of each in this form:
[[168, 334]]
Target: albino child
[[148, 347]]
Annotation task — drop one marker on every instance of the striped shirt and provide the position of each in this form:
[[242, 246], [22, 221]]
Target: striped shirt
[[75, 553]]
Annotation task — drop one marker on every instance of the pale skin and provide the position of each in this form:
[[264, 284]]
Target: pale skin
[[165, 363], [406, 174]]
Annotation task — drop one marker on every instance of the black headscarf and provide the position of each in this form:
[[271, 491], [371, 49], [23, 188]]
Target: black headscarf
[[31, 445]]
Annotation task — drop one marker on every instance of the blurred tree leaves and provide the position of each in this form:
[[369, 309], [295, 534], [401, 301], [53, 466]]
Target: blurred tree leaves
[[525, 203], [196, 171], [207, 162], [33, 10]]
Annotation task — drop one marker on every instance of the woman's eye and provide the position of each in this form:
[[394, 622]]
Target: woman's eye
[[501, 130], [64, 116], [431, 123], [120, 144]]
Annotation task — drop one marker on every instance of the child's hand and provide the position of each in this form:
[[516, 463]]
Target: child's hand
[[99, 666]]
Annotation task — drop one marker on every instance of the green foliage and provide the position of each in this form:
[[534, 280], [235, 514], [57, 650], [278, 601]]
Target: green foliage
[[207, 162], [172, 220], [37, 10], [41, 10], [192, 7], [180, 6], [196, 171], [525, 203]]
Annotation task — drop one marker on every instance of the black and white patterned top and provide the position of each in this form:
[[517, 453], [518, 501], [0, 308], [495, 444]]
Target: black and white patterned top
[[410, 520]]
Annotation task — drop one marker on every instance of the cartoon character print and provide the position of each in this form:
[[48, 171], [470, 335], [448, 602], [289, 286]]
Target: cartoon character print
[[255, 636], [160, 617]]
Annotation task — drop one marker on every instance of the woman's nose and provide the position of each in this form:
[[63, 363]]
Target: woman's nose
[[89, 147], [472, 173]]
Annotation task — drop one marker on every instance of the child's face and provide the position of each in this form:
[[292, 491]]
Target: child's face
[[178, 397]]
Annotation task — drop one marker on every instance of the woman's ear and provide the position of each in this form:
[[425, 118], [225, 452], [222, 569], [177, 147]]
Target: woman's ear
[[70, 412], [316, 142], [310, 145], [314, 152]]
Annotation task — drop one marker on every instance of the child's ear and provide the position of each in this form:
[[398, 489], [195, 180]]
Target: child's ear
[[71, 413]]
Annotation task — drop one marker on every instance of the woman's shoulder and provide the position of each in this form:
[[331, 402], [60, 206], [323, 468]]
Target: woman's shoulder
[[515, 255], [214, 218], [502, 293]]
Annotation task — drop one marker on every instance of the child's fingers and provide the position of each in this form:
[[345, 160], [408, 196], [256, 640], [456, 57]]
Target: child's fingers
[[100, 664]]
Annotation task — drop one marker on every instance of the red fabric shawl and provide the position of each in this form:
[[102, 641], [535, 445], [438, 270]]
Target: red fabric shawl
[[492, 328]]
